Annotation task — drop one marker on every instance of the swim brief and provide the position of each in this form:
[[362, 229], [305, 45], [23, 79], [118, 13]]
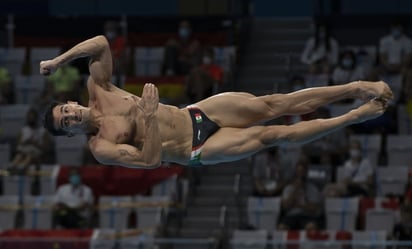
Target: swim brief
[[203, 128]]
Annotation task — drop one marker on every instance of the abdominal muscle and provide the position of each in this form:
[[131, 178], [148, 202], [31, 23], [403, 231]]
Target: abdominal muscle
[[175, 128]]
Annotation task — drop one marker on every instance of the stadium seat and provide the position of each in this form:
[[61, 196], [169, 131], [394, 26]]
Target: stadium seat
[[280, 239], [101, 239], [166, 187], [321, 238], [225, 57], [48, 183], [8, 211], [368, 236], [148, 61], [13, 59], [263, 213], [19, 185], [70, 150], [150, 217], [249, 239], [142, 241], [391, 180], [38, 54], [39, 213], [12, 119], [399, 148], [287, 239], [341, 213], [404, 121], [28, 89], [371, 145], [378, 213], [5, 154], [111, 215], [343, 236], [380, 219]]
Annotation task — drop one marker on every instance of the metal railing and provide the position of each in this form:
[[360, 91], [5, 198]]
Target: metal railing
[[330, 244], [84, 243], [223, 217], [206, 243], [236, 185]]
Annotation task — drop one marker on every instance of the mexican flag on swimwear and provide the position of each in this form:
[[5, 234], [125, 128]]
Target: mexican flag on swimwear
[[198, 117]]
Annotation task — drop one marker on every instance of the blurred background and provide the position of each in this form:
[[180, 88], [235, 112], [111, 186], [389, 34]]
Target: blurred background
[[350, 189]]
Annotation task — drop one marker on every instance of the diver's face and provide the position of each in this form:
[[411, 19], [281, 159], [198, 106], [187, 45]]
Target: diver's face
[[71, 117]]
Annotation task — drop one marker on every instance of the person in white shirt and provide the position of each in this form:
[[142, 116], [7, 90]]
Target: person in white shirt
[[358, 172], [395, 49], [357, 175], [346, 68], [32, 144], [321, 51], [301, 201], [73, 203]]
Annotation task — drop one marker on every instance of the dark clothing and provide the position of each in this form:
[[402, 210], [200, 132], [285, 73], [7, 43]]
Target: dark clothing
[[203, 128]]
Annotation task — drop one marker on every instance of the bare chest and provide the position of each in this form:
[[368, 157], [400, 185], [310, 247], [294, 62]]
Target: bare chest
[[120, 122]]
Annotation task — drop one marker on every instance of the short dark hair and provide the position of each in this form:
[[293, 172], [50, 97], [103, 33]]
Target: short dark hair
[[48, 120]]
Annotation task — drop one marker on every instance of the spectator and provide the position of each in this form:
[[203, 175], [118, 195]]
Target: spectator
[[209, 65], [395, 49], [73, 203], [321, 51], [402, 231], [204, 78], [64, 84], [118, 48], [346, 71], [33, 143], [301, 202], [366, 66], [358, 172], [268, 177], [6, 87], [181, 53]]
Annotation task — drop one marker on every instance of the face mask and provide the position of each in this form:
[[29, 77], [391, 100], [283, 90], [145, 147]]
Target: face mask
[[354, 153], [207, 60], [184, 33], [347, 63], [74, 179], [110, 35]]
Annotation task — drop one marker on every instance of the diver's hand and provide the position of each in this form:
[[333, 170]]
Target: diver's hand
[[150, 99], [48, 67]]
